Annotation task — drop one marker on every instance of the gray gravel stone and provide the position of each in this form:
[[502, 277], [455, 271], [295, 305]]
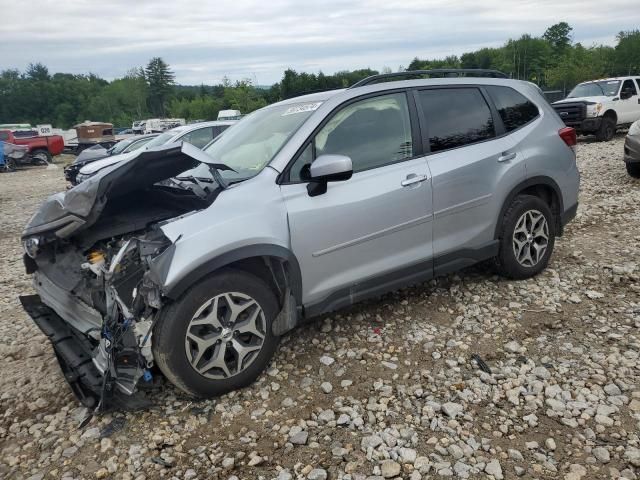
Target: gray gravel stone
[[317, 474], [390, 469]]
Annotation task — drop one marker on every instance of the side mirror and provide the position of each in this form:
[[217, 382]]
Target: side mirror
[[328, 168]]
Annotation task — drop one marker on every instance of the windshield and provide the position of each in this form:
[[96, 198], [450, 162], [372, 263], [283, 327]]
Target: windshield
[[161, 139], [608, 88], [252, 143]]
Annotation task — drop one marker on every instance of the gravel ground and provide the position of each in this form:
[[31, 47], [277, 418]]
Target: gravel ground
[[385, 389]]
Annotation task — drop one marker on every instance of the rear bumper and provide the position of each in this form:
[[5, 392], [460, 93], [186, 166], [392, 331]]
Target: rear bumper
[[632, 149]]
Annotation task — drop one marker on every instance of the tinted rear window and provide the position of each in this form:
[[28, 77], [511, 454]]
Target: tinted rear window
[[456, 117], [514, 108]]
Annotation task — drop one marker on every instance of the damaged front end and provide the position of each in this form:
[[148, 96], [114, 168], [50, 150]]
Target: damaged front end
[[94, 253], [105, 364]]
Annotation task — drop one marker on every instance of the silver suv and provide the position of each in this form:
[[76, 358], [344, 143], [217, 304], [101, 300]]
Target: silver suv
[[197, 262]]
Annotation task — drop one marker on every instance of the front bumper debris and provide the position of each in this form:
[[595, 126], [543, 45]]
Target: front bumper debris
[[74, 353]]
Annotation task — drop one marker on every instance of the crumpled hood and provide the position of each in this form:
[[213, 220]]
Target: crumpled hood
[[66, 213]]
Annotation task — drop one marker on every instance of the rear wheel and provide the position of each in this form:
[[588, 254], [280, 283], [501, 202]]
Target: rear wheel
[[607, 130], [41, 157], [633, 169], [527, 237], [218, 336]]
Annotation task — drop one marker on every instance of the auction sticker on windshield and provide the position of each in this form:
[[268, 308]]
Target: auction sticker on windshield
[[303, 107]]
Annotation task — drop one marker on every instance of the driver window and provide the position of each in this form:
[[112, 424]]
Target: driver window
[[630, 87], [373, 132]]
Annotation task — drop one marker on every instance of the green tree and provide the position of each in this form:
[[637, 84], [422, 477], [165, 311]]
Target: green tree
[[160, 80], [559, 36], [627, 53], [243, 96], [37, 72]]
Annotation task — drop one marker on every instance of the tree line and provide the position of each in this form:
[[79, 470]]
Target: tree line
[[35, 96]]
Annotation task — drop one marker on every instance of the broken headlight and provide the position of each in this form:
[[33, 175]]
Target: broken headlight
[[31, 246]]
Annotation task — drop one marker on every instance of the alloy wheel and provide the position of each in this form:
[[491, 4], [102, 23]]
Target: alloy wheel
[[530, 238], [225, 335]]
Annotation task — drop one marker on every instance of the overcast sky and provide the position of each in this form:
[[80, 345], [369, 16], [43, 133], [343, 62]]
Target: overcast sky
[[205, 40]]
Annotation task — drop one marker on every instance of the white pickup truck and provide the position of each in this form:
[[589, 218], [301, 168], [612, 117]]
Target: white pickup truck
[[600, 107]]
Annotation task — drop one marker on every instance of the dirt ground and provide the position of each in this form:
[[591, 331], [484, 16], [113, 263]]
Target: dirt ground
[[386, 389]]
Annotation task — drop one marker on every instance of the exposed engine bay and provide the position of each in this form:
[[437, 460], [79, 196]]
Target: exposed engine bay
[[98, 294]]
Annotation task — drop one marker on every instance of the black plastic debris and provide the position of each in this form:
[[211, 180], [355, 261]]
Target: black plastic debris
[[482, 365], [161, 461]]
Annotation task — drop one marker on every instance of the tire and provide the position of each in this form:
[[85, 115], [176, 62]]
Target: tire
[[41, 157], [508, 264], [607, 130], [175, 353], [633, 169], [9, 165]]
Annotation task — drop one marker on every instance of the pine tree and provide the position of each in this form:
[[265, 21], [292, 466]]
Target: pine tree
[[160, 80]]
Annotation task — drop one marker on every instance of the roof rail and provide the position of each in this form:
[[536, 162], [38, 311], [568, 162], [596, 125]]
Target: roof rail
[[438, 73]]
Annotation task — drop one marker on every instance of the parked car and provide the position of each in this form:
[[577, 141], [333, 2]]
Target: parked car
[[198, 135], [198, 261], [12, 155], [98, 152], [40, 149], [632, 150], [601, 107]]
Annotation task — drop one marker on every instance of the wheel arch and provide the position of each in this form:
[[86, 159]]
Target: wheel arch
[[261, 260], [610, 113], [543, 187]]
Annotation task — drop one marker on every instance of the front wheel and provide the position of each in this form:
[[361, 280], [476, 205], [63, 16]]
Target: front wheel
[[527, 237], [9, 165], [218, 336], [607, 130], [633, 169]]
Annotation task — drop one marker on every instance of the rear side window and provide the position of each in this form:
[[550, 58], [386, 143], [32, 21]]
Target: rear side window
[[514, 109], [199, 138], [456, 117]]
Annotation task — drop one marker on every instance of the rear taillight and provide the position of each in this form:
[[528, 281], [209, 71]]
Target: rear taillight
[[568, 135]]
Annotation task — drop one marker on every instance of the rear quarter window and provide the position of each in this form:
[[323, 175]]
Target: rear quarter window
[[515, 109]]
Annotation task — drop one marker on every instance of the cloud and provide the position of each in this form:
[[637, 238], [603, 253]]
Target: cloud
[[204, 41]]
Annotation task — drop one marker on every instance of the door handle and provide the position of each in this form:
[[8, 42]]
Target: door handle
[[506, 156], [413, 178]]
